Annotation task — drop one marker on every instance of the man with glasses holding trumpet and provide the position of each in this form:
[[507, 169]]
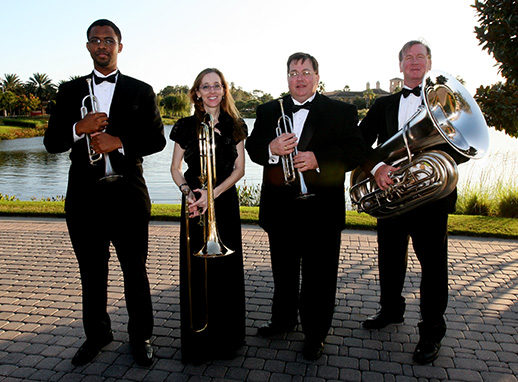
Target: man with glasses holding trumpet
[[109, 121], [305, 143]]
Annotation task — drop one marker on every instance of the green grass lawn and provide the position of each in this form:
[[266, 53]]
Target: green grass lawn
[[466, 225]]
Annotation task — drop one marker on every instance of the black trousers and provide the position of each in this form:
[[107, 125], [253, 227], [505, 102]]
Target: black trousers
[[428, 228], [305, 266], [91, 235]]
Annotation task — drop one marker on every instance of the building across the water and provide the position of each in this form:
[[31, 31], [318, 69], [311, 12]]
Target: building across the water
[[350, 96]]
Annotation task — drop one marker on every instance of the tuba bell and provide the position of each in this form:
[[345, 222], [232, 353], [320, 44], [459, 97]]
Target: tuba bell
[[448, 115]]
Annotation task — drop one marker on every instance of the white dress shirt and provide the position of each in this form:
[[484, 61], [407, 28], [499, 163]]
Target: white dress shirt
[[104, 94], [407, 108], [299, 119]]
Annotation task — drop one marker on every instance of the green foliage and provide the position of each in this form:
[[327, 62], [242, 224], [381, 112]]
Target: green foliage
[[498, 34], [508, 204], [23, 122], [59, 198], [247, 102], [175, 104], [362, 113], [499, 103], [249, 195], [473, 204], [8, 198]]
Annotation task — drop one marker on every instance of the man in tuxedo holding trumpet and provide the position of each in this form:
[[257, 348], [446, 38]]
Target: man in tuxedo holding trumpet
[[304, 217], [107, 201]]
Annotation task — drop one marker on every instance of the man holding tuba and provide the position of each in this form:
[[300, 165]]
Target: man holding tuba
[[426, 225], [124, 125], [304, 216]]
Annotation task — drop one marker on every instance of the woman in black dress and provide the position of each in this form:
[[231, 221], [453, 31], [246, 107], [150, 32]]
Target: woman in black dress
[[211, 290]]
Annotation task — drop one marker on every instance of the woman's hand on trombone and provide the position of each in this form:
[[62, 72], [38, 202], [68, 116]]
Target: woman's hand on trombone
[[199, 206], [283, 144]]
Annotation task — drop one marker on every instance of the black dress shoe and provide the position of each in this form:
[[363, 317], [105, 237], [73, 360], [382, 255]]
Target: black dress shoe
[[313, 350], [142, 353], [381, 319], [271, 329], [89, 350], [426, 351]]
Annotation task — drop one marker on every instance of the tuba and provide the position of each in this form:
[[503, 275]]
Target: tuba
[[448, 115], [109, 173]]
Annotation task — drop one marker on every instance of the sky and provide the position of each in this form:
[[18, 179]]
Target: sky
[[168, 42]]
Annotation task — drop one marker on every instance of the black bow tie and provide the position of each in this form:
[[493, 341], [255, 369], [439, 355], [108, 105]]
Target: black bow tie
[[306, 105], [98, 80], [416, 91]]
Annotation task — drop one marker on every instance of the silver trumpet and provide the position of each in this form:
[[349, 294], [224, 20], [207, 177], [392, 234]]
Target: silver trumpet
[[287, 160], [109, 174]]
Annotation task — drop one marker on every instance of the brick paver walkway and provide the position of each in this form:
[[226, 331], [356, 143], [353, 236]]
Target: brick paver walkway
[[40, 315]]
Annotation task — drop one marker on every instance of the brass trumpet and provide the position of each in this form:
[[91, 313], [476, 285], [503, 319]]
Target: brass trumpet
[[287, 160], [109, 173]]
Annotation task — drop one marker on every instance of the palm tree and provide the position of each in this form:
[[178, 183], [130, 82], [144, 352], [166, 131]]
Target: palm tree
[[41, 86], [12, 83]]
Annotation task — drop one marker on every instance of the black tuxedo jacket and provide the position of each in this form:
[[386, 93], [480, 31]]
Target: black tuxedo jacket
[[331, 133], [133, 117], [381, 123]]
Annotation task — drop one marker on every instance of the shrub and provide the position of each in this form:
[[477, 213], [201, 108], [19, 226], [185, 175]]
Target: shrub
[[508, 204], [22, 122], [249, 195], [8, 198], [473, 204]]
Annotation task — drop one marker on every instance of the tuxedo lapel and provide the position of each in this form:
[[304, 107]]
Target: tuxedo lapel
[[311, 124], [392, 114]]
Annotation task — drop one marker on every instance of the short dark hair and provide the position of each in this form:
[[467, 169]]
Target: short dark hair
[[303, 56], [410, 44], [102, 23]]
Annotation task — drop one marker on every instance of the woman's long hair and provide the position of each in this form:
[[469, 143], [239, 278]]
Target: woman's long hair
[[227, 103]]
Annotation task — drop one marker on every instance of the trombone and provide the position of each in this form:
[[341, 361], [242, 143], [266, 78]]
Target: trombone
[[109, 173], [212, 245], [288, 167]]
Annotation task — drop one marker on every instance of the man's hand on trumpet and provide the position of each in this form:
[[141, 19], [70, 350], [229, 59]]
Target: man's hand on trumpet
[[283, 144], [105, 143], [305, 160], [92, 123]]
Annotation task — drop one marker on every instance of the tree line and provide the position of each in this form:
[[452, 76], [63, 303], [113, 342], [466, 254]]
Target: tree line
[[38, 94], [497, 33]]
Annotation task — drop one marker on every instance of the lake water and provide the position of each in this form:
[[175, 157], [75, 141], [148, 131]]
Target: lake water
[[27, 171]]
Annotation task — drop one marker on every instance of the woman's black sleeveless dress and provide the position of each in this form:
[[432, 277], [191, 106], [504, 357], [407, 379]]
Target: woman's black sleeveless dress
[[221, 305]]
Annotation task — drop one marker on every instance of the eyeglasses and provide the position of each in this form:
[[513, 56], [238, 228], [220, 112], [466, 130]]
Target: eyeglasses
[[107, 41], [419, 57], [207, 88], [304, 73]]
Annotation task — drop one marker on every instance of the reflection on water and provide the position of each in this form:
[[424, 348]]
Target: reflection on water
[[27, 171]]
